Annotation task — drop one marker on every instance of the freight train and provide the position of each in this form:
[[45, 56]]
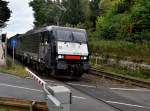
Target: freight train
[[62, 51]]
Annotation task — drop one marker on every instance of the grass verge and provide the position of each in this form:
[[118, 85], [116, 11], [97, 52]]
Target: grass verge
[[122, 50], [4, 109], [144, 74], [16, 69], [10, 109]]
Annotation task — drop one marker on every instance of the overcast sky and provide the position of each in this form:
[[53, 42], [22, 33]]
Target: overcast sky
[[21, 18]]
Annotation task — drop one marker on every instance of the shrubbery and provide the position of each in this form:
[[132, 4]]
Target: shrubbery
[[8, 64], [125, 20]]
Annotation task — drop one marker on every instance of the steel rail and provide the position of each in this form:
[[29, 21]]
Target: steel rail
[[99, 99], [94, 97], [121, 78]]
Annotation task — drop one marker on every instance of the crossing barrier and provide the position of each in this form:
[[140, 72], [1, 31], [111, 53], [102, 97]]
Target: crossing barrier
[[58, 97]]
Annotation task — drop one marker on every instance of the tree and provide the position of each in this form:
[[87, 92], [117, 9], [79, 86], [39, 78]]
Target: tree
[[140, 30], [125, 20], [61, 12], [95, 10], [74, 13], [85, 4], [44, 13], [4, 12]]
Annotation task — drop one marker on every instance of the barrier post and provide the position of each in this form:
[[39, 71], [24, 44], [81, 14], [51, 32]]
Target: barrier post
[[58, 97]]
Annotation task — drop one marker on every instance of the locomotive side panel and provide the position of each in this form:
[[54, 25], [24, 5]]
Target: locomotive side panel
[[61, 50], [28, 46]]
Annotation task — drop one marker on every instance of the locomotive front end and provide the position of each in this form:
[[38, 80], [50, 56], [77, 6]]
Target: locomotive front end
[[72, 52]]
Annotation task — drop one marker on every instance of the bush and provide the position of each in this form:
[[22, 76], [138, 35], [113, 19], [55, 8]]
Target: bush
[[8, 64], [121, 49], [126, 20]]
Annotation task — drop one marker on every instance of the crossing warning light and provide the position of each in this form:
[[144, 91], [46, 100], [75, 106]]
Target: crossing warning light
[[3, 37]]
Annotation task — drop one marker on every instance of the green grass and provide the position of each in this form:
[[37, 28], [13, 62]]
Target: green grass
[[10, 109], [16, 69], [121, 50], [143, 74], [1, 109]]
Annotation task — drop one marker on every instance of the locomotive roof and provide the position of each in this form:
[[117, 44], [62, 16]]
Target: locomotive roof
[[67, 28], [15, 36], [49, 28]]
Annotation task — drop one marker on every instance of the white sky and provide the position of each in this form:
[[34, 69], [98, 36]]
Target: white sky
[[21, 17]]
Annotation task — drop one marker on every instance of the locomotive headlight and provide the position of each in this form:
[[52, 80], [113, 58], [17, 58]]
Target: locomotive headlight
[[85, 58], [60, 56]]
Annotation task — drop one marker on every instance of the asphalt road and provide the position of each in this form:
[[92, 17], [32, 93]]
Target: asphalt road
[[124, 99], [85, 97], [21, 88]]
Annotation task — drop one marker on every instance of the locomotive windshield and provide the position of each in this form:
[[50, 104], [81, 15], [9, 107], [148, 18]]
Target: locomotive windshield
[[70, 36], [79, 36]]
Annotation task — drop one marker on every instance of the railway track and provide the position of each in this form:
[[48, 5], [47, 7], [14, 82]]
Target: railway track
[[101, 99], [121, 78], [124, 79]]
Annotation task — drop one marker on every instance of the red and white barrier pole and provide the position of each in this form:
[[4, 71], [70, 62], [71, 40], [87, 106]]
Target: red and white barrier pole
[[36, 78], [61, 98], [39, 80]]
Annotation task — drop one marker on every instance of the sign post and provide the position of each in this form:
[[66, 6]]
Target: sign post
[[13, 55], [13, 44], [4, 47]]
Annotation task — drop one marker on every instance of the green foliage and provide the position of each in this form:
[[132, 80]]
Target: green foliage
[[74, 13], [106, 5], [141, 21], [143, 74], [80, 13], [4, 108], [114, 19], [95, 11], [125, 20], [4, 12], [45, 14], [8, 64], [14, 69], [120, 49], [85, 4]]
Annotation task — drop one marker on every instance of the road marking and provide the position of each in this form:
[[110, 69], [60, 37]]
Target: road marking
[[81, 85], [29, 78], [7, 85], [125, 89], [132, 105], [9, 76], [46, 80], [78, 97]]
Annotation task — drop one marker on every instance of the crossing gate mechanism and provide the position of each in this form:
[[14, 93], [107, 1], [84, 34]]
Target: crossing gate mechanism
[[58, 97]]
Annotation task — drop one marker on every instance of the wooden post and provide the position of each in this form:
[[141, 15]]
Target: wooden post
[[96, 60]]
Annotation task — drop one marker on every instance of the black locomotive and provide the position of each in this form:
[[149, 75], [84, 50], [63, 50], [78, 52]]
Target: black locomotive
[[62, 51]]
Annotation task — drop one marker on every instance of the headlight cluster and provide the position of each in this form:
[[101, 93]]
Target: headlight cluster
[[60, 57], [84, 58], [72, 57]]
